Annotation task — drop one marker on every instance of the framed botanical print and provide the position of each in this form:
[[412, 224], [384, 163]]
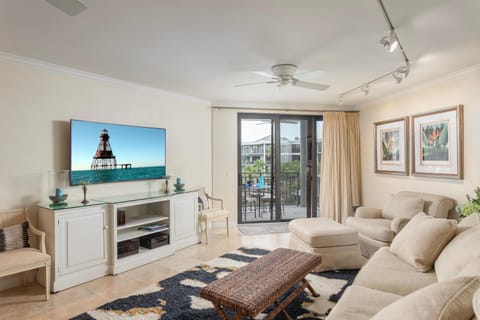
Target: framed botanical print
[[391, 146], [437, 143]]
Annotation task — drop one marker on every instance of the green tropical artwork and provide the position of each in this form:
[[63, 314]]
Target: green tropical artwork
[[390, 145], [435, 141]]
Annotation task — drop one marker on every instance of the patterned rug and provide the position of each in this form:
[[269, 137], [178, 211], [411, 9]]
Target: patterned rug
[[178, 297]]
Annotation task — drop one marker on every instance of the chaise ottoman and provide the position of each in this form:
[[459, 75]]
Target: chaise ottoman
[[336, 243]]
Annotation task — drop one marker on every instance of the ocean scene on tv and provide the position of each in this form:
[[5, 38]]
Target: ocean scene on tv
[[104, 152]]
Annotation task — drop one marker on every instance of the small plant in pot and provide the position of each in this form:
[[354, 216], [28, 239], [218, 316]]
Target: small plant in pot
[[471, 206]]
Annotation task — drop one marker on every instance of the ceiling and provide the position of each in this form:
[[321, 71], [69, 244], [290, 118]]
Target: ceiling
[[204, 48]]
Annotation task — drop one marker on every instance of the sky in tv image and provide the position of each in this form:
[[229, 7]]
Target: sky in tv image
[[138, 146]]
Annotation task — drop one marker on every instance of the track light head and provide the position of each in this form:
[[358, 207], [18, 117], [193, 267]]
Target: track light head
[[365, 89], [390, 42], [340, 100]]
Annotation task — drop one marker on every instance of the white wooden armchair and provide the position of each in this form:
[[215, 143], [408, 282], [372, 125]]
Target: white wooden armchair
[[15, 254], [209, 213]]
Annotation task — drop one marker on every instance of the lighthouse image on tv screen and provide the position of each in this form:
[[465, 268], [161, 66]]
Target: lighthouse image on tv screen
[[105, 152]]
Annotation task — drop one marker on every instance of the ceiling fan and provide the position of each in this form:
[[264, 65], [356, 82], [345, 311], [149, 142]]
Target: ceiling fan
[[284, 74], [70, 7]]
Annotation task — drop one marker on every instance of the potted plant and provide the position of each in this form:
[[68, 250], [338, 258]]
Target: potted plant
[[471, 206]]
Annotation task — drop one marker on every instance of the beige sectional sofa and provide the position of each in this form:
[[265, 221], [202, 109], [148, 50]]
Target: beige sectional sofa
[[390, 286]]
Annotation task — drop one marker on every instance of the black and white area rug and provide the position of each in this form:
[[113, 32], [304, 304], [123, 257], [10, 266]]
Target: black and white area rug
[[178, 297]]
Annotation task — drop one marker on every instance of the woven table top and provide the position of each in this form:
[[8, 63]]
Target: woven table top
[[252, 288]]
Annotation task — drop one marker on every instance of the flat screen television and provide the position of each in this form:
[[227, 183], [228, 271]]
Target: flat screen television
[[105, 152]]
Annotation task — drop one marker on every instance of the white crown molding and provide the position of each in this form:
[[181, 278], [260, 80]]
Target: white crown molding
[[420, 86], [8, 57]]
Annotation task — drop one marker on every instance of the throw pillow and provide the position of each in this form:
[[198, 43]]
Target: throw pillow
[[467, 222], [458, 254], [444, 300], [422, 239], [204, 201], [14, 237], [402, 207]]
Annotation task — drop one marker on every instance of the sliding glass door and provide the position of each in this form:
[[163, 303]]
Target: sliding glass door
[[278, 165]]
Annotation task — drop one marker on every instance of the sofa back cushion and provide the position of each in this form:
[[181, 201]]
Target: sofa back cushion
[[458, 254], [422, 239], [400, 206], [446, 300], [470, 221], [434, 205]]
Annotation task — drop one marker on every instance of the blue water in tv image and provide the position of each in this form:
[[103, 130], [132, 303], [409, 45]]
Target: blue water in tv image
[[104, 152]]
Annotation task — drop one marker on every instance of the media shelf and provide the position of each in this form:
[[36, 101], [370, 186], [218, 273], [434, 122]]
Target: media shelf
[[83, 239]]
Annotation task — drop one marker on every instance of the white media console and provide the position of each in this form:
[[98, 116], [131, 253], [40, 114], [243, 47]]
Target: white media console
[[104, 236]]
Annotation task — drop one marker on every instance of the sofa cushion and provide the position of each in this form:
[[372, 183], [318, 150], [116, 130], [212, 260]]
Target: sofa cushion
[[361, 303], [422, 239], [378, 229], [386, 272], [445, 300], [323, 232], [458, 253], [14, 237], [402, 206]]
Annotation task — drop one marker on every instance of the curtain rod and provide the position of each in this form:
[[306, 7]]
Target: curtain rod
[[280, 109]]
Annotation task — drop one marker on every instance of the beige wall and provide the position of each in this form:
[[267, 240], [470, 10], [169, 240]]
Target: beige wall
[[36, 103], [461, 88]]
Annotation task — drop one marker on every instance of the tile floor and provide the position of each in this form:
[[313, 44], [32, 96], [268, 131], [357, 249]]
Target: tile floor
[[27, 302]]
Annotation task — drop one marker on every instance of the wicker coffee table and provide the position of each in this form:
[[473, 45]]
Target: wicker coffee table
[[258, 285]]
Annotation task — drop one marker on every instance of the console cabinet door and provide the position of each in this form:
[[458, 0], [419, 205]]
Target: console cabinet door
[[82, 239], [185, 213]]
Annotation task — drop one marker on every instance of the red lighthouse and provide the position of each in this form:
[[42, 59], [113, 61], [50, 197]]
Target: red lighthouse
[[104, 158]]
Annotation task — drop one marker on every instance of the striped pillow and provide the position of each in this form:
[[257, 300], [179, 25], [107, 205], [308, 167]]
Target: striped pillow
[[204, 202], [14, 237]]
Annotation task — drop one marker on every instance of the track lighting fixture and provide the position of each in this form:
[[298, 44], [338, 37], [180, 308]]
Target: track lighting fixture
[[391, 42], [365, 89]]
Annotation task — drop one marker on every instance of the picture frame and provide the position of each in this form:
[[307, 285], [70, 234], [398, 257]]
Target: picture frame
[[391, 146], [437, 143]]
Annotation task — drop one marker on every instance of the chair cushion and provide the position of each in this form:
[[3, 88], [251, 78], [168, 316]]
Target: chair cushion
[[361, 303], [211, 214], [20, 258], [14, 237], [378, 229], [402, 206], [323, 232], [434, 205], [458, 253], [386, 272], [445, 300], [422, 239]]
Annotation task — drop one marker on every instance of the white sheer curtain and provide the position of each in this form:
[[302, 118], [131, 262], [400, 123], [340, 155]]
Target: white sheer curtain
[[340, 167]]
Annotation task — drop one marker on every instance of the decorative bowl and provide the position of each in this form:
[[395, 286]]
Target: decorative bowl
[[179, 187], [60, 199]]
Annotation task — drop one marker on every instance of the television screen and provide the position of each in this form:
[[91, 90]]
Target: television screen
[[105, 152]]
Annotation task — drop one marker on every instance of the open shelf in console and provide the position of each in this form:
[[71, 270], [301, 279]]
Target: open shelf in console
[[134, 220]]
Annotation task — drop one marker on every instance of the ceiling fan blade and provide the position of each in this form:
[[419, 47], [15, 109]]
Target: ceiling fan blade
[[264, 74], [311, 75], [254, 83], [70, 7], [310, 85]]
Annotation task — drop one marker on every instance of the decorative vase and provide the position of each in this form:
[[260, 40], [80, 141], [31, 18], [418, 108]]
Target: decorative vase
[[57, 183]]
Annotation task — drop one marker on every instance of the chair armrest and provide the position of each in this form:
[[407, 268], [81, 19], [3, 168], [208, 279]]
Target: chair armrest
[[398, 224], [368, 213], [216, 199], [41, 235]]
